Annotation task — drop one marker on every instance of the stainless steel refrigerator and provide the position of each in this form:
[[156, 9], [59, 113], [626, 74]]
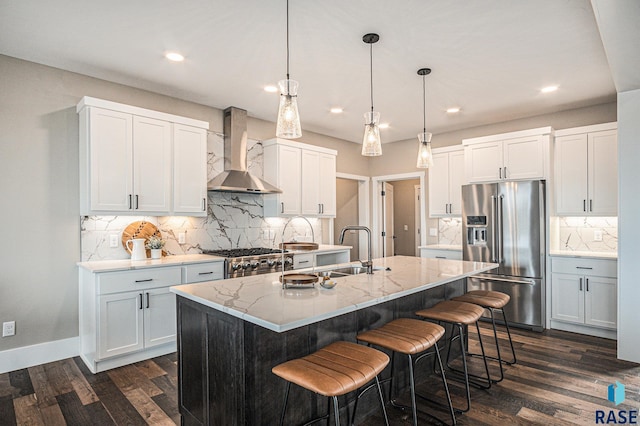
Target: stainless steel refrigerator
[[504, 223]]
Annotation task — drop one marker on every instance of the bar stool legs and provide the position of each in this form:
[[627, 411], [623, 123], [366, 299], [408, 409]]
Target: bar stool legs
[[459, 315]]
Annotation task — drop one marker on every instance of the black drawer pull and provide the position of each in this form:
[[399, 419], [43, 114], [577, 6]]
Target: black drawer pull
[[144, 281], [304, 261], [583, 267], [441, 257], [205, 273]]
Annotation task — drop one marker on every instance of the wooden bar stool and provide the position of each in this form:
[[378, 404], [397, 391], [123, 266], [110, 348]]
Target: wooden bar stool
[[460, 314], [410, 337], [492, 301], [334, 370]]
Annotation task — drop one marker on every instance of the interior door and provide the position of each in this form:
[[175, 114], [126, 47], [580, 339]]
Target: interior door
[[387, 220]]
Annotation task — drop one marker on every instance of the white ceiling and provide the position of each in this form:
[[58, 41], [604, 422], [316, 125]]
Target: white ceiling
[[489, 57]]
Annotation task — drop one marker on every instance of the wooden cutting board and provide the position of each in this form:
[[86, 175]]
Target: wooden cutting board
[[140, 229]]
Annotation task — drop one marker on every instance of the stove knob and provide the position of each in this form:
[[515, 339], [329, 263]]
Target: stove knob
[[271, 262], [288, 261], [246, 265], [236, 266], [254, 265], [278, 262]]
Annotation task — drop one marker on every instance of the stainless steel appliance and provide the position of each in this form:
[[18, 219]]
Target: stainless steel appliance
[[504, 223], [252, 261]]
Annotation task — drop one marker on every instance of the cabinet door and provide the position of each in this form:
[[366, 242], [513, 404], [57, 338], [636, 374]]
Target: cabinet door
[[159, 317], [603, 173], [439, 185], [189, 170], [456, 180], [310, 191], [601, 301], [567, 298], [327, 183], [120, 329], [151, 165], [111, 161], [524, 158], [289, 179], [571, 174], [483, 162]]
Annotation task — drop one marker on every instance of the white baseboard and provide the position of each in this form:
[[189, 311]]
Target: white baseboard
[[42, 353], [584, 329]]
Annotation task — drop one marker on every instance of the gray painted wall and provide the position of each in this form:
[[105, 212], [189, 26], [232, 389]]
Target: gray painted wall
[[347, 213]]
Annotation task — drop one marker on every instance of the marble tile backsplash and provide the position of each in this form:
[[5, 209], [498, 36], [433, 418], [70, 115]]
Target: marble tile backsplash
[[234, 220], [450, 231], [578, 234]]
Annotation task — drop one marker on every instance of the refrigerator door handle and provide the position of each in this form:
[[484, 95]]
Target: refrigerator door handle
[[494, 230], [500, 225]]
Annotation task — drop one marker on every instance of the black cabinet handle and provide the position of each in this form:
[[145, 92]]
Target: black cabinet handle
[[136, 201], [204, 204], [584, 205], [130, 206], [584, 267], [580, 284], [144, 281], [140, 300], [205, 273], [282, 207], [590, 205], [500, 172], [587, 280], [440, 257]]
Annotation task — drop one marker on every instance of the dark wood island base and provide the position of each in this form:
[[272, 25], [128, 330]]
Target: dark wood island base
[[224, 362]]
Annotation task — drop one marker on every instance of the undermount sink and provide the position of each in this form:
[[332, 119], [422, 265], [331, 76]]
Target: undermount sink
[[349, 270]]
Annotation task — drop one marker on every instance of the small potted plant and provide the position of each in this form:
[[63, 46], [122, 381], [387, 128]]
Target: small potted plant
[[155, 244]]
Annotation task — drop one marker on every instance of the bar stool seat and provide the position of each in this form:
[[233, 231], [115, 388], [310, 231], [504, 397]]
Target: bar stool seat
[[460, 314], [493, 301], [334, 370], [410, 337]]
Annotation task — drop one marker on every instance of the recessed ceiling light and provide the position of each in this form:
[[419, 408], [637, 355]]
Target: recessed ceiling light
[[384, 125], [453, 110], [549, 89], [336, 110], [174, 56], [270, 89]]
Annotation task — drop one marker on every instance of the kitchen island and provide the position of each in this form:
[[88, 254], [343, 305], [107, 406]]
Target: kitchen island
[[232, 332]]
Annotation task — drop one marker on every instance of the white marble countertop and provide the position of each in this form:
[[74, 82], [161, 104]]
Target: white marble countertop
[[590, 254], [127, 264], [442, 247], [261, 300]]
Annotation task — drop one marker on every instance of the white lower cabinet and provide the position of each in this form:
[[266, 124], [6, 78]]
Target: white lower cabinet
[[584, 292], [441, 253], [130, 315]]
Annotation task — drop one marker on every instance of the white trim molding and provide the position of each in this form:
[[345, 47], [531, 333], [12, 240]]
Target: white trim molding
[[41, 353]]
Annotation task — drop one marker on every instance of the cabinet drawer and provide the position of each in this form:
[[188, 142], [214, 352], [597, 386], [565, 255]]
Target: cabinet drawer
[[199, 272], [115, 282], [582, 266], [441, 254], [303, 261]]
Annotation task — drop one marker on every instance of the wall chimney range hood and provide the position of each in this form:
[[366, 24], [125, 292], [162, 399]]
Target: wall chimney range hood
[[235, 177]]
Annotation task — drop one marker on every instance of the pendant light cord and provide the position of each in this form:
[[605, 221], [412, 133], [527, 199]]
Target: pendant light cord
[[424, 106], [371, 71], [287, 40]]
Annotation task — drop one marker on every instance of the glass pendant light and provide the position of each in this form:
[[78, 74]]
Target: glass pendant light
[[371, 146], [425, 157], [288, 123]]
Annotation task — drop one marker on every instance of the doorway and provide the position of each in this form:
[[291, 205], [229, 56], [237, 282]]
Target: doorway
[[352, 196], [404, 220]]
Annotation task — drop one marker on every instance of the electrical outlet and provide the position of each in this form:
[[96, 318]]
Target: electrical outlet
[[113, 240], [433, 232], [8, 328], [182, 237], [406, 227], [597, 235]]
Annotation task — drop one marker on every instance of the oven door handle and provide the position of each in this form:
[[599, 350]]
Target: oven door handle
[[504, 280]]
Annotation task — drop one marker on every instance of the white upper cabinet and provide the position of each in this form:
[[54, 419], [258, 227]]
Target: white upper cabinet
[[306, 174], [508, 156], [446, 178], [586, 171], [137, 161], [189, 171]]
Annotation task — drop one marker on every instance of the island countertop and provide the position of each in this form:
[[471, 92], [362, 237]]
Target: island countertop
[[261, 300]]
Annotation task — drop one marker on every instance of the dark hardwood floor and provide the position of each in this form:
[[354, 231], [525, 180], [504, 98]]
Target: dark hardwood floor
[[560, 378]]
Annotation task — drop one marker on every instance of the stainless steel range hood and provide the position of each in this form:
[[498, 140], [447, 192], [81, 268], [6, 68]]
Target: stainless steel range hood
[[235, 177]]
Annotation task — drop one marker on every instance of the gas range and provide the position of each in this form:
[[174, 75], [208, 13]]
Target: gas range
[[253, 261]]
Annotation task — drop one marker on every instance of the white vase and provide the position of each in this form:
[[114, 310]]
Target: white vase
[[156, 253]]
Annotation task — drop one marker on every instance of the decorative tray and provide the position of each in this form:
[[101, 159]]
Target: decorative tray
[[297, 280], [299, 246]]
